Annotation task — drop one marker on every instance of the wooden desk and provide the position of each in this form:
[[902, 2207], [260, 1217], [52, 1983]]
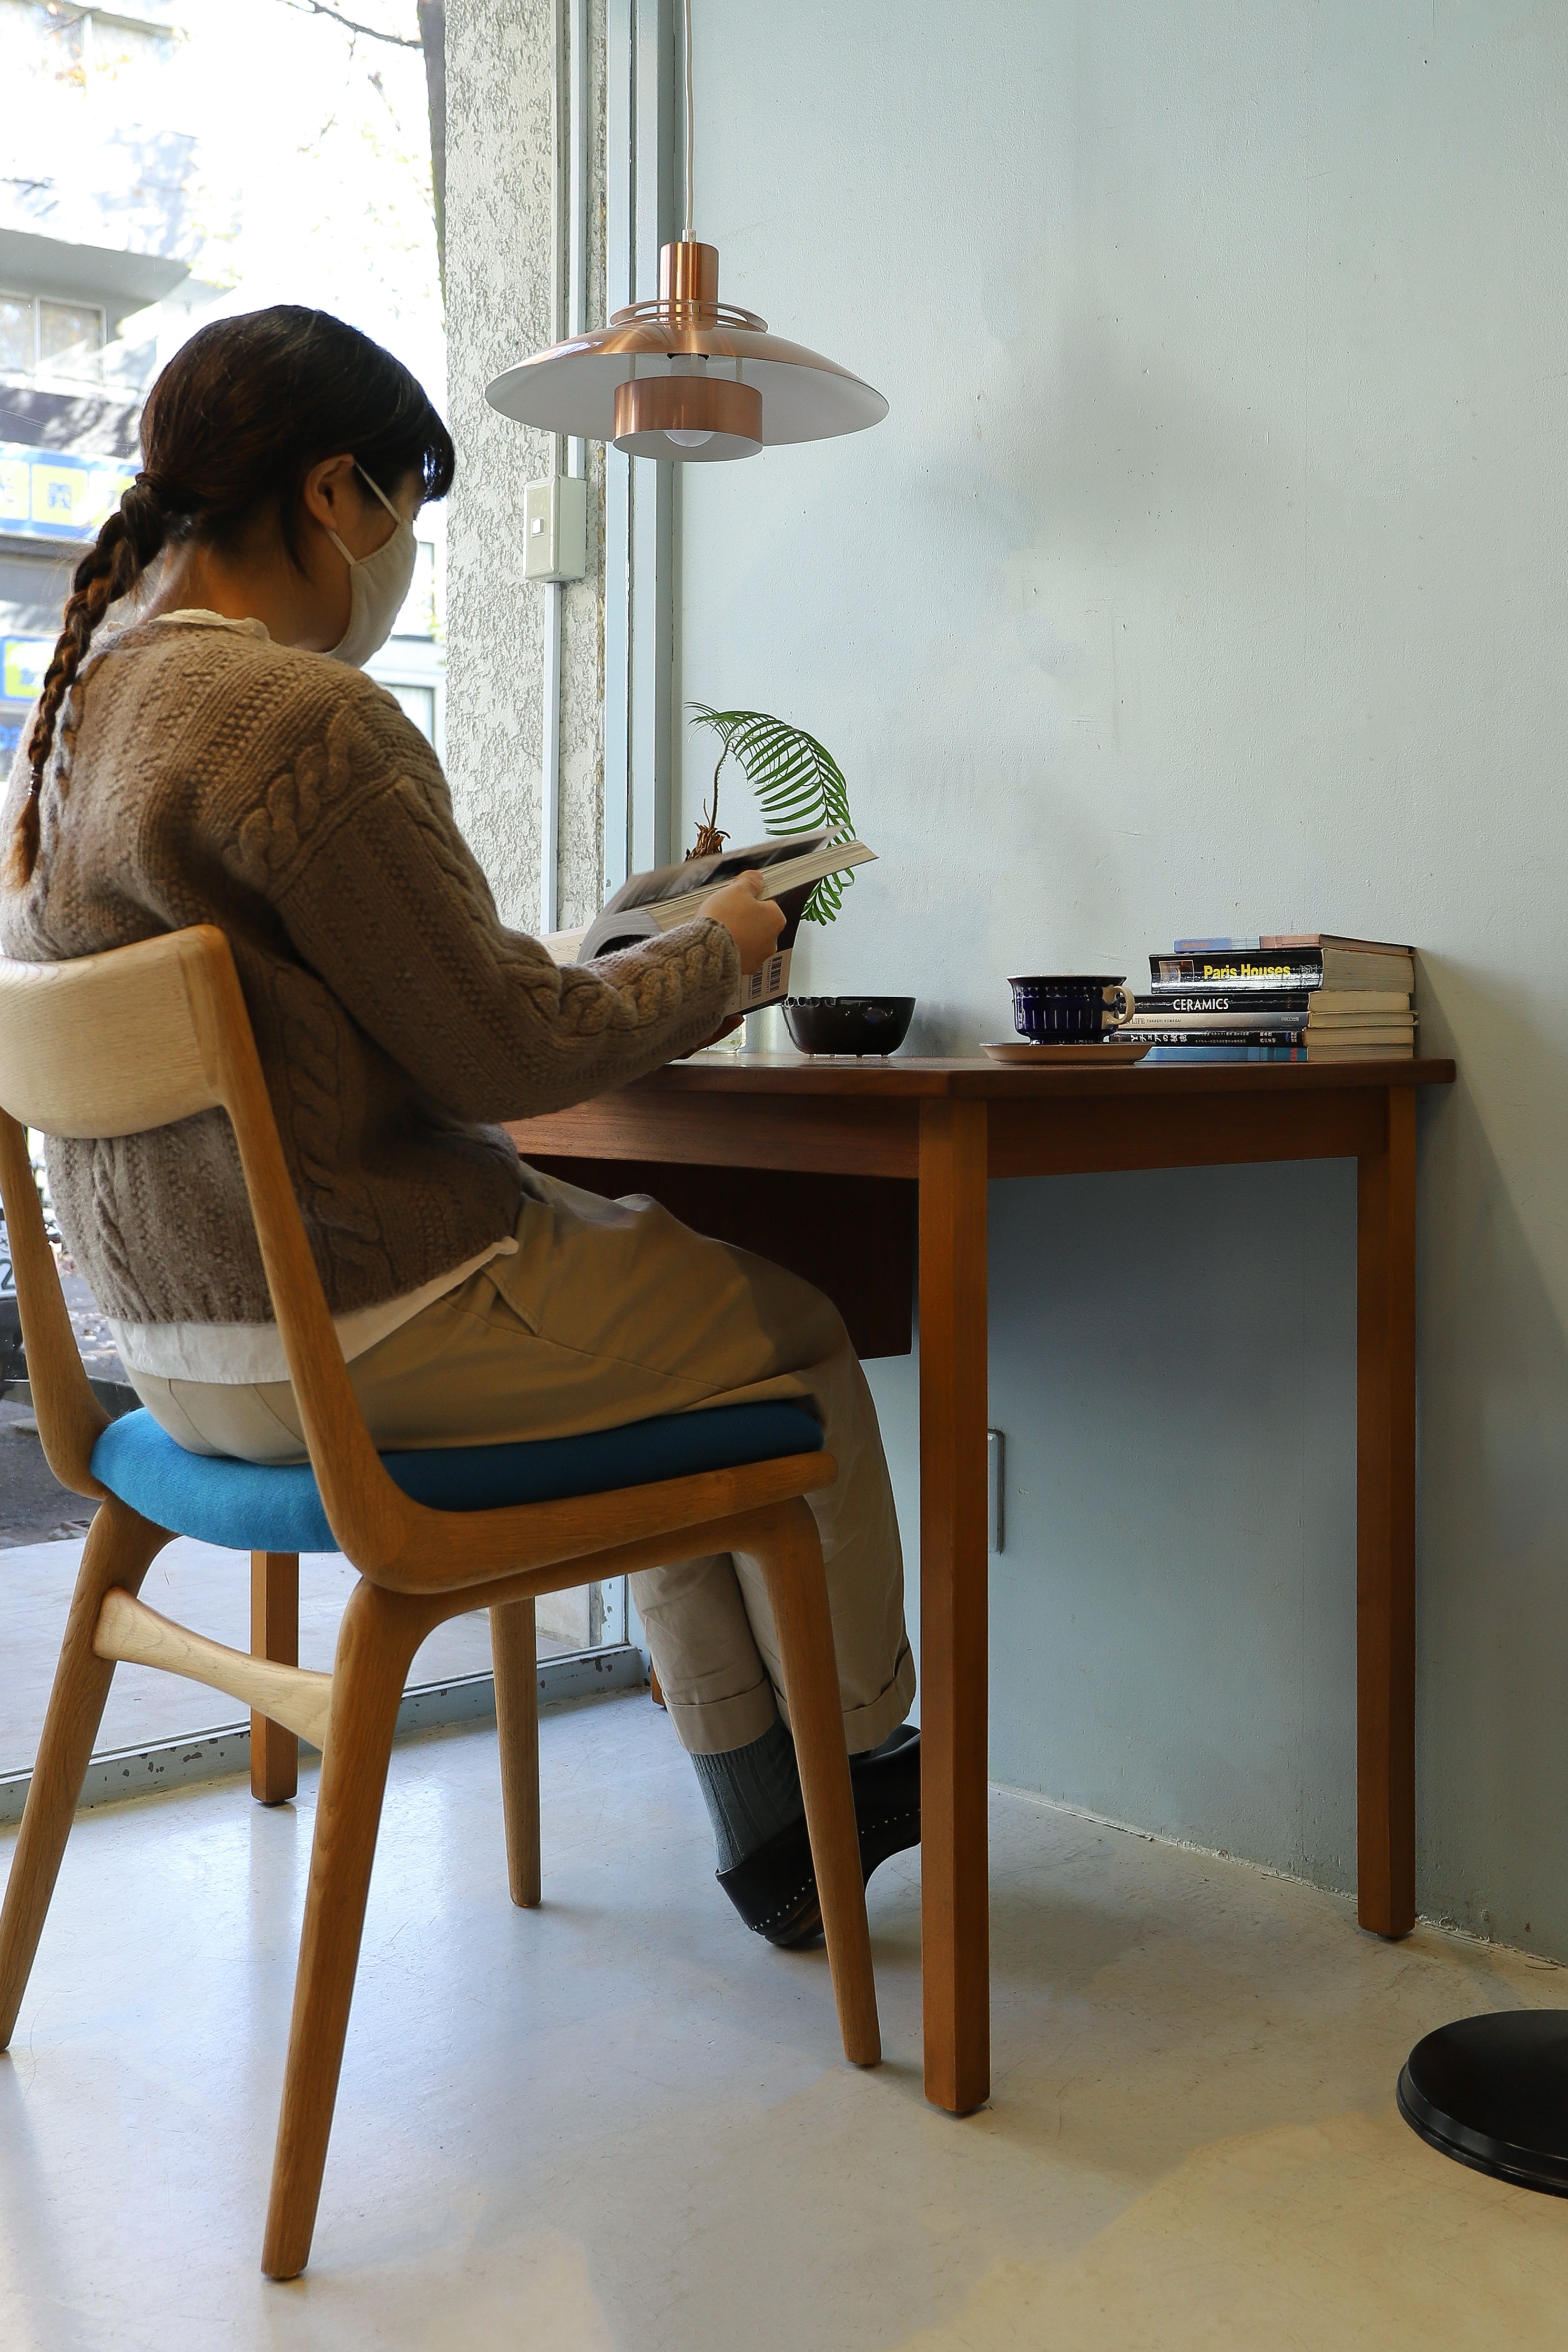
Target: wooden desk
[[858, 1149]]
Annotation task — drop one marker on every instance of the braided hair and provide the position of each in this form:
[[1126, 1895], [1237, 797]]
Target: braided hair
[[231, 428], [125, 545]]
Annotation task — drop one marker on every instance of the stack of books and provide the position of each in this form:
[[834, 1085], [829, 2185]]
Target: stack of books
[[1289, 996]]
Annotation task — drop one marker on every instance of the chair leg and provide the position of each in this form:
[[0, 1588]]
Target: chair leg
[[376, 1641], [121, 1547], [515, 1652], [275, 1635], [789, 1553]]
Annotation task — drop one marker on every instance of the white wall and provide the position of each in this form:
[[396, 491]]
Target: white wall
[[1209, 574]]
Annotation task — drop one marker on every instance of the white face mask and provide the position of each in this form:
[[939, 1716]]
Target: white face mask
[[377, 586]]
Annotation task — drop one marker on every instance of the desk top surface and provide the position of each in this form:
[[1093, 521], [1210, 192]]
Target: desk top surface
[[906, 1076]]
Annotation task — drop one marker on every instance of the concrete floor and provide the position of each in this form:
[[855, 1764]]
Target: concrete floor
[[618, 2121]]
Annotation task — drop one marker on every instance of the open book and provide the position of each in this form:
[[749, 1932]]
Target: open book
[[672, 895]]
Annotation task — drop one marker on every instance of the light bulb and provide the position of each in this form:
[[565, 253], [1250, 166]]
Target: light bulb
[[684, 440]]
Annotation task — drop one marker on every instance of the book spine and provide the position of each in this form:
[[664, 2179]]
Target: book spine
[[1185, 1003], [1286, 1036], [1350, 1033], [1209, 1051], [1335, 1044], [1301, 968], [1221, 947], [1286, 940]]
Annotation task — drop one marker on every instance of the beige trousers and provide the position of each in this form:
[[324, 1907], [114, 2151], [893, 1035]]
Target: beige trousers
[[610, 1312]]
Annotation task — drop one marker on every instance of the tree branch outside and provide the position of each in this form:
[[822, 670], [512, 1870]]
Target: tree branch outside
[[431, 40], [370, 32]]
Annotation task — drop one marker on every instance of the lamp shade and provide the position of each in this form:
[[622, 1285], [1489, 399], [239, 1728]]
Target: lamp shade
[[686, 377]]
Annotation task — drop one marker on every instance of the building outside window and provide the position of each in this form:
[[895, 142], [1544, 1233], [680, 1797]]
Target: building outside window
[[40, 338], [122, 229], [160, 171]]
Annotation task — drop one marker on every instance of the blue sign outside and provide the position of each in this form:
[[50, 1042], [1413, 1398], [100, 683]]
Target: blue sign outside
[[23, 661], [55, 493]]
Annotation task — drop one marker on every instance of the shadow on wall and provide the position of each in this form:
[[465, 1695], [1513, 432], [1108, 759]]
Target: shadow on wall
[[942, 1029], [1172, 1362], [1493, 1598], [1173, 1616]]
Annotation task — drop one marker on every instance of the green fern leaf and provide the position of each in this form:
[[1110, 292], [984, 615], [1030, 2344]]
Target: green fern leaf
[[799, 785]]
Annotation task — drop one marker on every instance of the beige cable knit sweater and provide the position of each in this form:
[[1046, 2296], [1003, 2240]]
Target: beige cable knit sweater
[[206, 775]]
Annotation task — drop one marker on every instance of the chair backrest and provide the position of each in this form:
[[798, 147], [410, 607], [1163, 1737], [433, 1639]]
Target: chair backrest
[[118, 1044]]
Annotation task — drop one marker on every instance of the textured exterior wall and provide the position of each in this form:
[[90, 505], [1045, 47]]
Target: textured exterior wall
[[500, 199]]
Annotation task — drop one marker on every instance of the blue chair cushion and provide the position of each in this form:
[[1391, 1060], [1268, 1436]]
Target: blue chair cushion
[[248, 1506]]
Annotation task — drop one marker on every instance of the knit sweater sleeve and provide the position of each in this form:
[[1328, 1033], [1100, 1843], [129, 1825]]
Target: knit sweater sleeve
[[382, 895]]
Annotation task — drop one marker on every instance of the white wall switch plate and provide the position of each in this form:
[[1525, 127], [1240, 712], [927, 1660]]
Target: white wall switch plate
[[555, 528], [994, 1445]]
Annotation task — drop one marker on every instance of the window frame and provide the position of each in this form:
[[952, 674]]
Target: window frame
[[35, 367]]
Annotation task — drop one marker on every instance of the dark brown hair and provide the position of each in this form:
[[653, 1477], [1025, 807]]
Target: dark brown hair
[[231, 428]]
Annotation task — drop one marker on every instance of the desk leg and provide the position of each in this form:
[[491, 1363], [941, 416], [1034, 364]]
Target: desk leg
[[1386, 1527], [955, 1935]]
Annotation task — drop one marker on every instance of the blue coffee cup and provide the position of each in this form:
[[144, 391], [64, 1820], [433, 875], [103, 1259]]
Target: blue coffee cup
[[1071, 1008]]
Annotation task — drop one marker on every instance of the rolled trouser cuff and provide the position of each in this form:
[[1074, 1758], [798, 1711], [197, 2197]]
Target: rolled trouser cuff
[[712, 1727], [868, 1727]]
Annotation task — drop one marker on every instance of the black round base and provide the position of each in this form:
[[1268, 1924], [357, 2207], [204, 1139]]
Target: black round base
[[1492, 2092]]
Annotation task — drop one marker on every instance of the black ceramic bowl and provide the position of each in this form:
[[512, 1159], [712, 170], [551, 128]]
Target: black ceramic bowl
[[849, 1024]]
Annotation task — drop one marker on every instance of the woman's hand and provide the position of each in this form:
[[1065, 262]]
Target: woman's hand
[[753, 921]]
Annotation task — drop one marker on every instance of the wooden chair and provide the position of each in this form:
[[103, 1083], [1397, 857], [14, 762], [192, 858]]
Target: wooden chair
[[114, 1044]]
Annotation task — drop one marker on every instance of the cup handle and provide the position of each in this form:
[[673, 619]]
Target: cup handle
[[1128, 1006]]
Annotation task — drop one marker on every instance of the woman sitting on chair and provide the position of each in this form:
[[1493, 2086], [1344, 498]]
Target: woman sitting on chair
[[207, 748]]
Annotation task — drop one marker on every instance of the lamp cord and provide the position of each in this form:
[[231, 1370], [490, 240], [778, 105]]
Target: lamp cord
[[687, 20]]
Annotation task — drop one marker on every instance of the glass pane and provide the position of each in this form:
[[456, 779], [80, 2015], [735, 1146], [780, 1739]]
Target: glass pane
[[16, 334], [418, 703], [70, 338], [417, 617], [329, 204]]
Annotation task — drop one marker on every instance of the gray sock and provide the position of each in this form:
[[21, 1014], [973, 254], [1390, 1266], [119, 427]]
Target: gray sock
[[751, 1793]]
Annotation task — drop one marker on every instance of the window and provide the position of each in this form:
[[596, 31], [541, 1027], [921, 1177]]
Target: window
[[311, 178], [70, 338], [417, 617], [41, 336], [15, 334]]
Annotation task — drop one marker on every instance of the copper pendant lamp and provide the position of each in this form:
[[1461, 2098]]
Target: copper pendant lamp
[[687, 376]]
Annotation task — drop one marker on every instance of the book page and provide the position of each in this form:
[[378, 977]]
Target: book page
[[700, 875]]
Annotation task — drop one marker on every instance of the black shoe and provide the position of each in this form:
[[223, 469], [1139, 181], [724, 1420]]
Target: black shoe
[[775, 1889], [886, 1783]]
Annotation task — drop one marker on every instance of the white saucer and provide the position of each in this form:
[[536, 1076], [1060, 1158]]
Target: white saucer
[[1022, 1054]]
